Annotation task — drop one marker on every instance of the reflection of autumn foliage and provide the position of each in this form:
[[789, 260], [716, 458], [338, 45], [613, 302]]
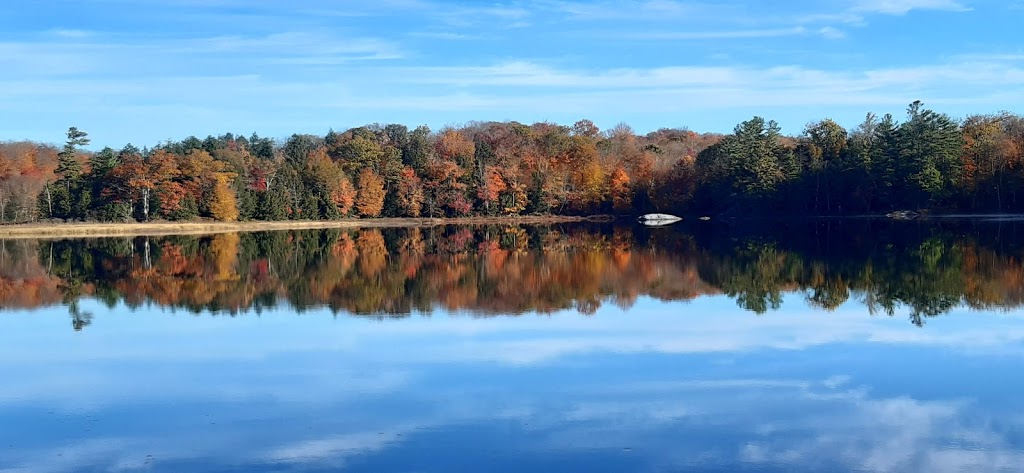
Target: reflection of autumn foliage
[[497, 270], [224, 255], [489, 270], [372, 253], [24, 282]]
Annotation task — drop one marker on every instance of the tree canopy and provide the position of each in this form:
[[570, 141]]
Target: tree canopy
[[928, 161]]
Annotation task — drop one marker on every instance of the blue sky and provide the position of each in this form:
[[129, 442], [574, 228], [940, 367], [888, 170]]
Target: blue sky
[[142, 72]]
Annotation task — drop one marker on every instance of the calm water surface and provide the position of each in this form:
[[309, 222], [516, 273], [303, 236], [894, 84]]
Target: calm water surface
[[827, 346]]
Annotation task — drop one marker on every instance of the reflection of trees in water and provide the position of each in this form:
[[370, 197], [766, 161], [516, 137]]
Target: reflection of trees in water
[[512, 270], [926, 269], [79, 319]]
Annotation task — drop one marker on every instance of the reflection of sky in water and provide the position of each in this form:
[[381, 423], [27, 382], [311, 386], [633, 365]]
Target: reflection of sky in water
[[662, 387]]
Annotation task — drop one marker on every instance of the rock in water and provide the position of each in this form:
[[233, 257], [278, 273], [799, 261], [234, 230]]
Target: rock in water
[[654, 220], [903, 215]]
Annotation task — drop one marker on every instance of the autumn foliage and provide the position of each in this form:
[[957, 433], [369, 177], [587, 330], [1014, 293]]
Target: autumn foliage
[[927, 161], [370, 199], [223, 206], [410, 193]]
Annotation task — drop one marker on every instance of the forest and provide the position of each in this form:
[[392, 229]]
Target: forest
[[928, 161], [893, 268]]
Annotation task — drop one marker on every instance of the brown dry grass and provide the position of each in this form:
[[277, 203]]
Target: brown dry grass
[[97, 230]]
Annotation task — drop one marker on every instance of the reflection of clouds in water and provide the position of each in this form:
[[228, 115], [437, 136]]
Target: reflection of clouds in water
[[354, 357], [292, 365], [727, 331], [800, 425], [897, 434], [72, 457], [795, 424], [709, 325], [332, 451], [93, 390]]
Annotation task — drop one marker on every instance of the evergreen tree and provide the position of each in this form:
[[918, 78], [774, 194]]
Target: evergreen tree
[[931, 145], [68, 167]]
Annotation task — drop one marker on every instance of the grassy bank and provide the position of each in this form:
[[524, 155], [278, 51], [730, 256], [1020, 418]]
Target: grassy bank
[[99, 229]]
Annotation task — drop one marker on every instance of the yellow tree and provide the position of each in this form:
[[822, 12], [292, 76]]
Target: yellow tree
[[370, 199], [586, 178], [223, 206], [590, 180], [455, 146]]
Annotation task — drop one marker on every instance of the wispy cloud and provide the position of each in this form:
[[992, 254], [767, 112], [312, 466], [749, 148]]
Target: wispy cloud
[[71, 33], [90, 54], [521, 90], [651, 10], [705, 35], [990, 57], [528, 74], [902, 7], [435, 61], [430, 13], [830, 32], [447, 36]]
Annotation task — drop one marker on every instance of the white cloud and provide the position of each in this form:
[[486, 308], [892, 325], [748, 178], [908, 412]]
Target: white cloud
[[902, 7], [652, 10], [830, 32], [72, 33], [304, 76], [290, 44], [725, 34], [992, 57], [446, 35], [96, 55], [762, 85], [318, 93]]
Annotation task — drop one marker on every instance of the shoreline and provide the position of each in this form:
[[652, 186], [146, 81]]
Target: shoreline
[[49, 231]]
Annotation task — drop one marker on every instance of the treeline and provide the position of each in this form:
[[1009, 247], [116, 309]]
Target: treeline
[[920, 270], [927, 161]]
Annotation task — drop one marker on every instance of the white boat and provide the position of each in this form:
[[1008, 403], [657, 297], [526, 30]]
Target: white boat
[[654, 220]]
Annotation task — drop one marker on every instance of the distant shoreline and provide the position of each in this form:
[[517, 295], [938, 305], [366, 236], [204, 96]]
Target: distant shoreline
[[102, 229]]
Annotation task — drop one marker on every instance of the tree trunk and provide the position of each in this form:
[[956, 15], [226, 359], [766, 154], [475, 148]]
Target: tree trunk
[[999, 193], [145, 204], [49, 202]]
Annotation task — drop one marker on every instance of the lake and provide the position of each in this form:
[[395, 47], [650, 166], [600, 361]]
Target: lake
[[826, 345]]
